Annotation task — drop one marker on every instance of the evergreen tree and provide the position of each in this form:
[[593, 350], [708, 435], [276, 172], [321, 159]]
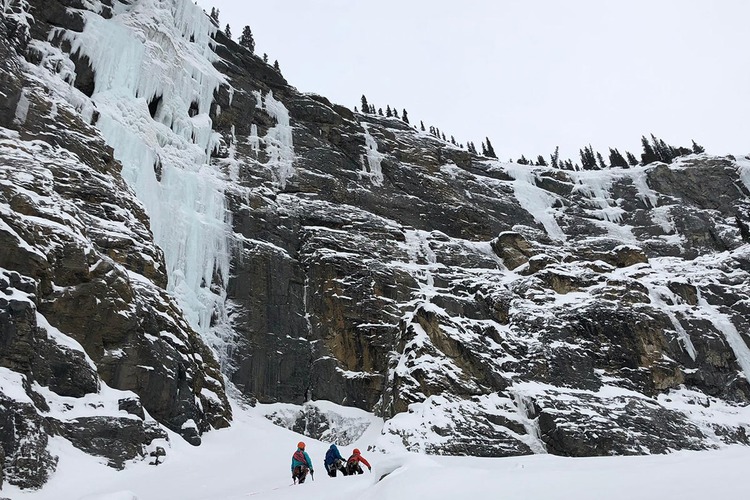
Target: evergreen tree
[[490, 150], [246, 39], [421, 125], [365, 106], [453, 141], [395, 113], [443, 136], [600, 161], [648, 155], [215, 15], [372, 109], [616, 159], [265, 58], [540, 161], [632, 160], [228, 31], [380, 111], [522, 160], [555, 158], [388, 112], [663, 152], [404, 116], [276, 65], [588, 158], [698, 149]]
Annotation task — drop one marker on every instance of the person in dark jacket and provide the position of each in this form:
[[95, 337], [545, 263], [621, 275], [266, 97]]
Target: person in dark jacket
[[334, 461], [301, 463], [352, 465]]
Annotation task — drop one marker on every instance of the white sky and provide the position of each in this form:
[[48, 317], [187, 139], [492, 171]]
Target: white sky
[[530, 74]]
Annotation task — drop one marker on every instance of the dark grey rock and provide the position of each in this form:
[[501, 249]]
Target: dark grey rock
[[624, 426], [116, 439], [23, 438]]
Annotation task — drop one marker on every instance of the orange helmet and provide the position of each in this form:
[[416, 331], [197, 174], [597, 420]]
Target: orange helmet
[[356, 451], [301, 445]]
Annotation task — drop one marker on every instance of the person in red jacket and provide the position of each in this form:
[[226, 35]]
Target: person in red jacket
[[352, 465]]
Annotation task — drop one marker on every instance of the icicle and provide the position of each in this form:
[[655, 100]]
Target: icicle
[[151, 54], [254, 139]]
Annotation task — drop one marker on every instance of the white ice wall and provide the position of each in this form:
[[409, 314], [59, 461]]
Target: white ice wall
[[162, 48]]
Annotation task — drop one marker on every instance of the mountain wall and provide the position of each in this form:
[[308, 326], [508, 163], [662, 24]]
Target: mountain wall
[[173, 212], [92, 347], [481, 307]]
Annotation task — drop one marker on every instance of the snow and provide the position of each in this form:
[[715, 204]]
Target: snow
[[251, 460], [11, 386]]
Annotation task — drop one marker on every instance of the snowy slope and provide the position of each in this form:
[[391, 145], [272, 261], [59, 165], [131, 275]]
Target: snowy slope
[[251, 460]]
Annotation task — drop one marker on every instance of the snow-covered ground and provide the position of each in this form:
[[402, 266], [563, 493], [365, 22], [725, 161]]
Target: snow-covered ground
[[252, 460]]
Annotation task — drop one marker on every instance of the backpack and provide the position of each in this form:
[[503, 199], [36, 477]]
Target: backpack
[[299, 456]]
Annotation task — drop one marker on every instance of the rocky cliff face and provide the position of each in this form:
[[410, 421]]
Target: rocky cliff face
[[482, 307], [92, 348], [167, 199]]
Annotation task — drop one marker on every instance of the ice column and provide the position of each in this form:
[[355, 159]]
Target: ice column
[[154, 84], [374, 158]]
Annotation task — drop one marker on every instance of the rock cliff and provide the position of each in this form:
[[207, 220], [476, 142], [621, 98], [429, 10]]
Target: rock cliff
[[92, 347], [171, 207]]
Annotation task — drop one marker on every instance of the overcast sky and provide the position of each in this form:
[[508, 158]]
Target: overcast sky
[[529, 74]]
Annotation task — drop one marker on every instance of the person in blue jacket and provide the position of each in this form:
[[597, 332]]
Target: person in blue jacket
[[301, 463], [334, 461]]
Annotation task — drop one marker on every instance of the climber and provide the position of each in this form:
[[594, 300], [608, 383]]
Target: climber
[[334, 461], [352, 465], [301, 463]]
